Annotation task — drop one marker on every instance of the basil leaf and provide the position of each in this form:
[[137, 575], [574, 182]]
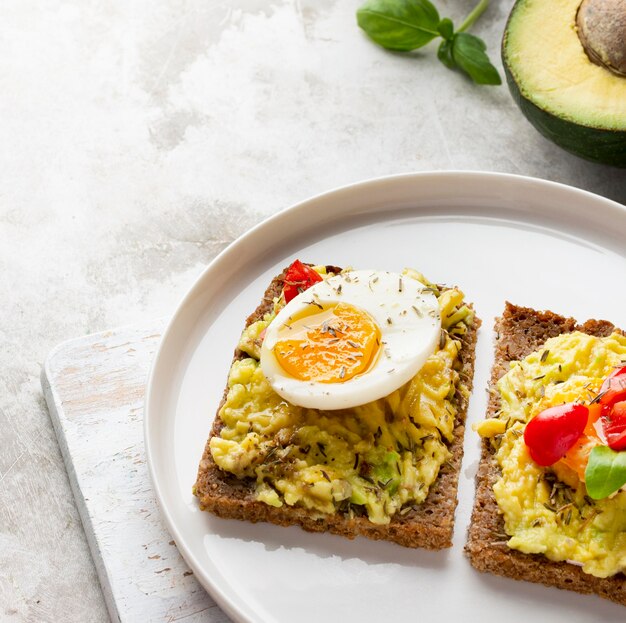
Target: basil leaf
[[444, 54], [399, 24], [445, 28], [469, 54], [605, 473]]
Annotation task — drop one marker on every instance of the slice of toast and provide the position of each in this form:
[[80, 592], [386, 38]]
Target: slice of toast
[[519, 332], [428, 525]]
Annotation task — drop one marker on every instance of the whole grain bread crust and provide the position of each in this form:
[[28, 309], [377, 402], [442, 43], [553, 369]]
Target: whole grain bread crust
[[428, 525], [519, 332]]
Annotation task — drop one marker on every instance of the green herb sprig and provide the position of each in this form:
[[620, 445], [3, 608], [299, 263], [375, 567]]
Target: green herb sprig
[[605, 473], [405, 25]]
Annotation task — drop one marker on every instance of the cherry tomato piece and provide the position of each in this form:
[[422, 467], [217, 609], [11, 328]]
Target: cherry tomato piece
[[551, 433], [298, 278], [614, 388], [614, 425]]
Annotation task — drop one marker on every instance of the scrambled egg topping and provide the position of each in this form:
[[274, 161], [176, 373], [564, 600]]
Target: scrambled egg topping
[[373, 460], [547, 510]]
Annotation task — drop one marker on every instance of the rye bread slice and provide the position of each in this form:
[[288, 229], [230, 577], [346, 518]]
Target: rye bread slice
[[428, 525], [519, 332]]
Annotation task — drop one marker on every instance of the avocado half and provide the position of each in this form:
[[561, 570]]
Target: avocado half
[[574, 102]]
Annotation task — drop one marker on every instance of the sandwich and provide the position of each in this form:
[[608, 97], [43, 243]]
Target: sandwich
[[345, 406], [550, 502]]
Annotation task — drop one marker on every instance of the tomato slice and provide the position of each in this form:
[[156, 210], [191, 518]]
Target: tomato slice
[[614, 388], [614, 425], [551, 433], [298, 278]]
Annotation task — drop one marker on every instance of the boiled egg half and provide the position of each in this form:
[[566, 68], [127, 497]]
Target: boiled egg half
[[350, 339]]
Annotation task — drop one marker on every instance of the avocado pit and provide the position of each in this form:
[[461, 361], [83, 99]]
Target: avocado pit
[[601, 28]]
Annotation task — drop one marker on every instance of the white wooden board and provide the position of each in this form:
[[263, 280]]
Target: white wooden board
[[94, 387]]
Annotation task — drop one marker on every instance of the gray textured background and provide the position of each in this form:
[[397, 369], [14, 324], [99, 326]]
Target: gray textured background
[[137, 139]]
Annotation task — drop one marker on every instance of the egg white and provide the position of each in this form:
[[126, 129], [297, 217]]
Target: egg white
[[407, 315]]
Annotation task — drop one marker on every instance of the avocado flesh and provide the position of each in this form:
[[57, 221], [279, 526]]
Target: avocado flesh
[[547, 61]]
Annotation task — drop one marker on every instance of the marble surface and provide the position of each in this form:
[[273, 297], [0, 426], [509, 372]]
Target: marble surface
[[137, 139]]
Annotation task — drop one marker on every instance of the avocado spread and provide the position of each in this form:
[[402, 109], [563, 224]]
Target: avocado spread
[[547, 510], [373, 460]]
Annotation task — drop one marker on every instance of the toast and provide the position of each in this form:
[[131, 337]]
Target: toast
[[427, 525], [519, 332]]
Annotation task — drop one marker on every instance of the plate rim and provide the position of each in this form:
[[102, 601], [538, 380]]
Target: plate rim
[[230, 607]]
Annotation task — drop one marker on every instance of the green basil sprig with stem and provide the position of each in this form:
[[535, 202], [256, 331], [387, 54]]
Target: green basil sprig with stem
[[406, 25]]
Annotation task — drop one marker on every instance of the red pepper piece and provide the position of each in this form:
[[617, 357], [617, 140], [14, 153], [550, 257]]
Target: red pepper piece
[[614, 388], [614, 425], [551, 433], [298, 278]]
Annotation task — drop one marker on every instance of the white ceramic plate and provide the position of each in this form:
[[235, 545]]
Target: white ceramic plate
[[498, 237]]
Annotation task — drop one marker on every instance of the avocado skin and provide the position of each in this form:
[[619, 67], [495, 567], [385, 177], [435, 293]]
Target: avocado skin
[[595, 144], [604, 146]]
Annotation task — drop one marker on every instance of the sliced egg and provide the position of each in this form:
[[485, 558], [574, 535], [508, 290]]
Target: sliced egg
[[350, 339]]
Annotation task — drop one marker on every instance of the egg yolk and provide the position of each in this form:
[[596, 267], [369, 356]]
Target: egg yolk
[[329, 345]]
